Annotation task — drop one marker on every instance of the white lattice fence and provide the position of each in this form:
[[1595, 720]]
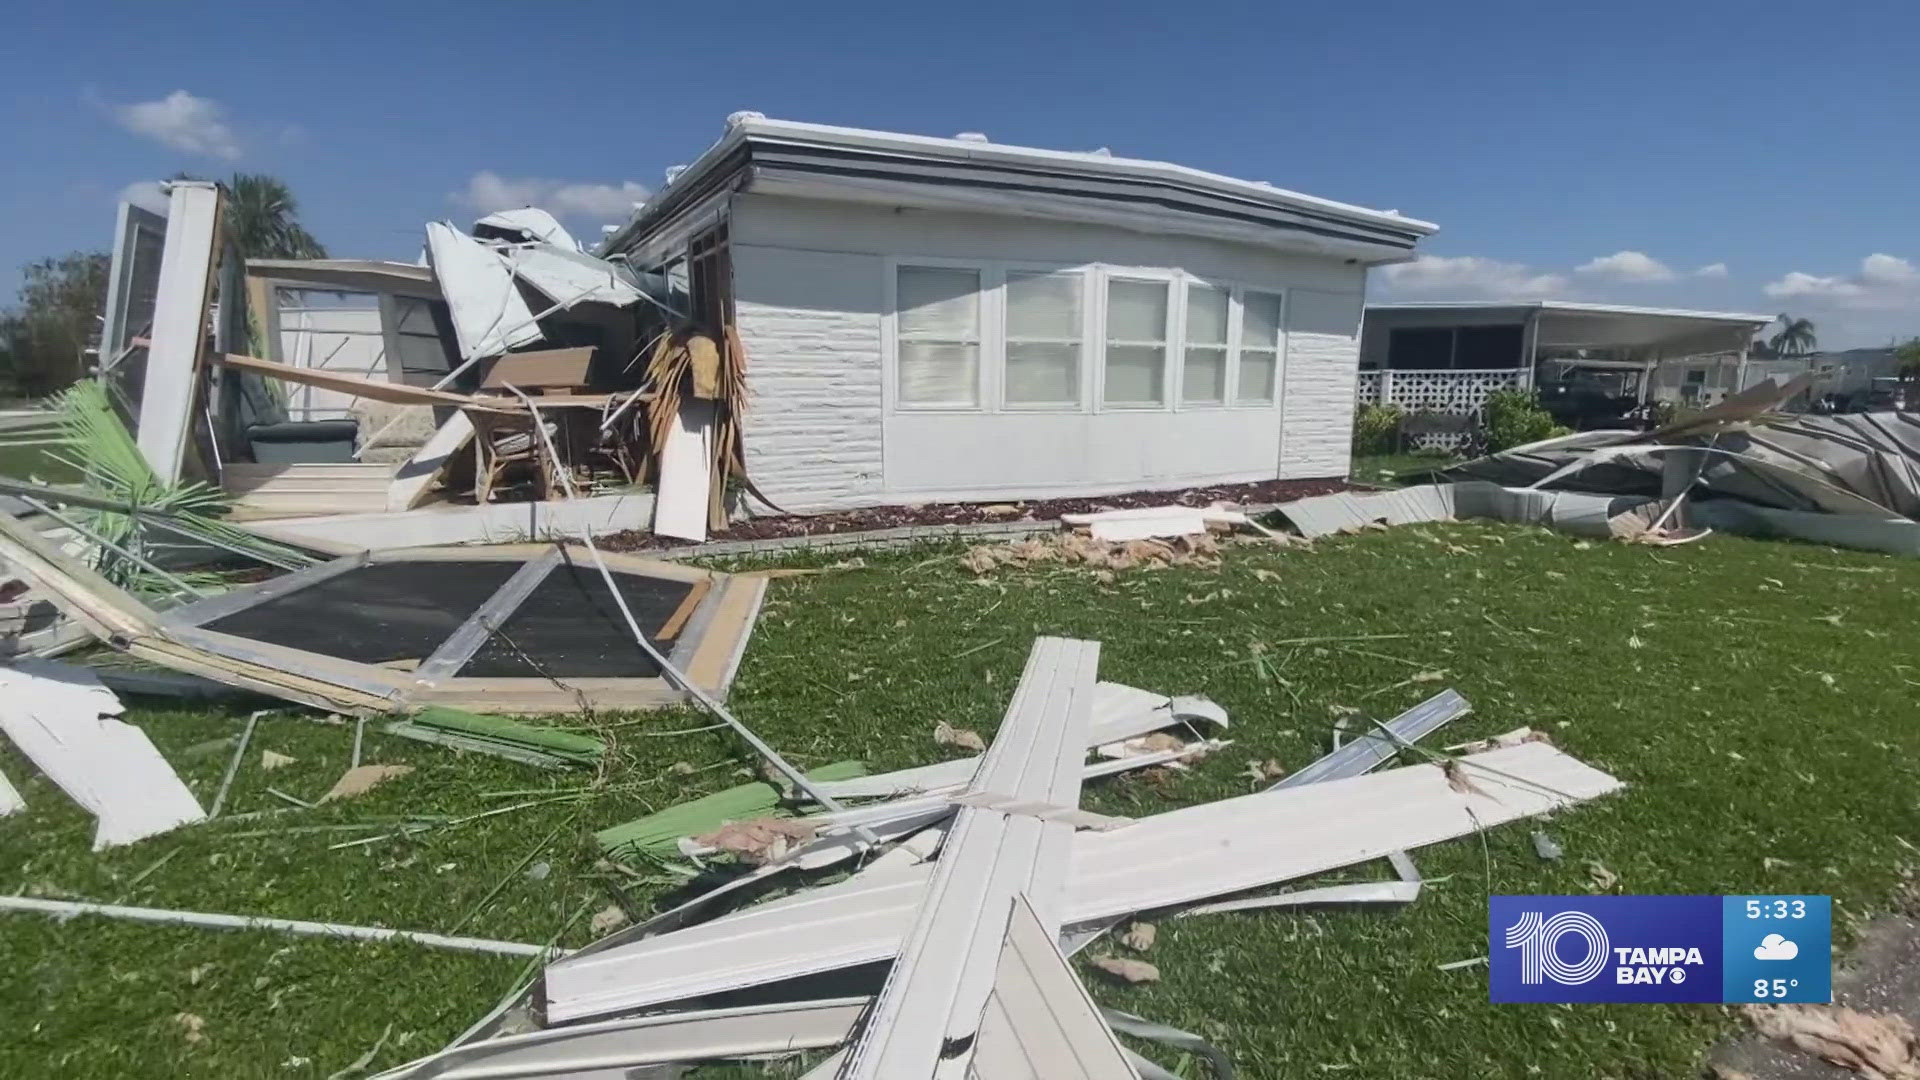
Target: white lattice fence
[[1450, 393], [1367, 389]]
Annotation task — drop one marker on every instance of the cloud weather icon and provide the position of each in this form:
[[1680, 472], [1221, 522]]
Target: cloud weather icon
[[1775, 947]]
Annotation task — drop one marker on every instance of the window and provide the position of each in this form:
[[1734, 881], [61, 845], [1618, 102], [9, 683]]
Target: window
[[1489, 347], [1260, 322], [1457, 348], [1420, 348], [1697, 375], [1203, 371], [938, 332], [1043, 339], [1136, 343]]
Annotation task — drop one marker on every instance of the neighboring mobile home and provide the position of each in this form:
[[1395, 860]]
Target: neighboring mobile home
[[1447, 357], [955, 319]]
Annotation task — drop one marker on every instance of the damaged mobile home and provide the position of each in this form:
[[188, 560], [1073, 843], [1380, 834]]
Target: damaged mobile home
[[810, 318], [807, 317]]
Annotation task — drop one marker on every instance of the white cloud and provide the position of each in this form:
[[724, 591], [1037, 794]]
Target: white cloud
[[1884, 283], [1471, 277], [488, 191], [145, 194], [195, 125], [1627, 266], [1775, 947], [1712, 270]]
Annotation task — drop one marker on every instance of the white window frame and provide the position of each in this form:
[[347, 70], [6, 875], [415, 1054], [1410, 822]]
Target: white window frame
[[1231, 345], [990, 389], [1089, 348], [990, 385], [1237, 335], [983, 378], [1169, 279]]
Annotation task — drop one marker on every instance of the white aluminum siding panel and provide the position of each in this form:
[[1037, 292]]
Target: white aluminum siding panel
[[649, 1040], [937, 988], [1192, 853], [62, 718], [1040, 1023], [1119, 713], [1317, 383]]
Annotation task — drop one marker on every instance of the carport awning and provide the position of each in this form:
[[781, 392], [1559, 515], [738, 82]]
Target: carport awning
[[1560, 325], [1652, 330]]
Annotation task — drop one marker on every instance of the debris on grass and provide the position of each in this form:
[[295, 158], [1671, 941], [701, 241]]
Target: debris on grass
[[607, 920], [362, 779], [1139, 936], [1006, 830], [1263, 772], [1074, 549], [660, 833], [67, 723], [759, 841], [1506, 738], [1603, 879], [192, 1026], [1880, 1046], [947, 735], [1548, 849], [67, 909], [1126, 970], [269, 760]]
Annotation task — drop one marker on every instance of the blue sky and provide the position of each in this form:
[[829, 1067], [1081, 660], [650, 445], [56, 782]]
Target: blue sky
[[1690, 153]]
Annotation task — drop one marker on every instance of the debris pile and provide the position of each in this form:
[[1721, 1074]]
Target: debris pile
[[1849, 481], [976, 880], [1078, 549]]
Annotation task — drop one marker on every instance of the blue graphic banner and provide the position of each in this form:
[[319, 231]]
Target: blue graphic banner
[[1660, 948]]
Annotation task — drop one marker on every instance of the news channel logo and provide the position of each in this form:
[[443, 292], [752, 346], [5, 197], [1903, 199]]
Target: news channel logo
[[1748, 949]]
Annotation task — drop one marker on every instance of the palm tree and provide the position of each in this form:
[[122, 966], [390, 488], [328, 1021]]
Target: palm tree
[[1908, 356], [1795, 337], [262, 220]]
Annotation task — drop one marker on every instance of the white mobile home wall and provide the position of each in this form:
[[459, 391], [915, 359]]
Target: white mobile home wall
[[812, 288]]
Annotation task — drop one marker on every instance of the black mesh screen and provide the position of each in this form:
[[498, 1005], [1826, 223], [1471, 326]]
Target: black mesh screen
[[378, 613], [570, 627]]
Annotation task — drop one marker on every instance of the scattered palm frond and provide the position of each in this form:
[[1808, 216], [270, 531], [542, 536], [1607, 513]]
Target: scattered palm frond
[[97, 445]]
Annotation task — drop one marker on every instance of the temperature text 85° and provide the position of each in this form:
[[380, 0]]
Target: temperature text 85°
[[1766, 988]]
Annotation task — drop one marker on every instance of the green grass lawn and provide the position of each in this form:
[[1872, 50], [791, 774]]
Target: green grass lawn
[[1757, 697], [1384, 469]]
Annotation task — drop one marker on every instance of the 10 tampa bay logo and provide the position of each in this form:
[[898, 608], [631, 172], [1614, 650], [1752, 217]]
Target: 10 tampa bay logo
[[1542, 956], [1604, 948]]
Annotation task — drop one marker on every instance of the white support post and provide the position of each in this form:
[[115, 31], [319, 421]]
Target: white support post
[[174, 370]]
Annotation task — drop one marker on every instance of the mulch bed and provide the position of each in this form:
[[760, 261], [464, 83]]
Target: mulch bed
[[894, 517]]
